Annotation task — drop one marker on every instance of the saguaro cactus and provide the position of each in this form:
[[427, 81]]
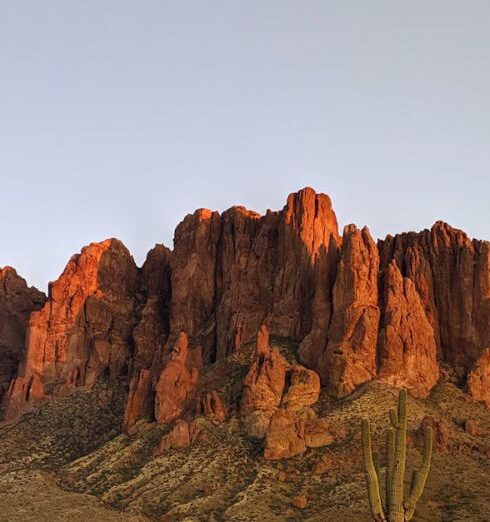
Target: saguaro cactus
[[395, 508]]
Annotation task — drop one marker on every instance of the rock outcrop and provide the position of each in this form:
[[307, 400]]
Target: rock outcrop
[[350, 358], [303, 390], [211, 406], [17, 302], [440, 428], [285, 436], [479, 378], [276, 403], [407, 345], [149, 336], [263, 386], [451, 274], [83, 331], [232, 272], [175, 388]]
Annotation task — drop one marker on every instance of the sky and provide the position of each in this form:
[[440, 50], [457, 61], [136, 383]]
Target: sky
[[118, 118]]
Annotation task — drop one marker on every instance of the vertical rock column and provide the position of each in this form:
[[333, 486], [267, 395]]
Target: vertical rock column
[[350, 358]]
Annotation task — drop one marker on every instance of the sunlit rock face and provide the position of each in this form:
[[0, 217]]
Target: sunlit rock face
[[83, 331], [354, 310], [232, 271], [176, 385], [407, 345], [451, 275], [17, 302], [350, 357]]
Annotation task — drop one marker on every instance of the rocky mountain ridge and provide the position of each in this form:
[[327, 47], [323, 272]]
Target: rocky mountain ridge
[[401, 311]]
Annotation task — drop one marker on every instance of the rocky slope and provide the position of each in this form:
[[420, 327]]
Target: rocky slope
[[250, 326]]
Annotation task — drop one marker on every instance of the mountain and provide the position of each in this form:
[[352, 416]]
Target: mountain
[[225, 379]]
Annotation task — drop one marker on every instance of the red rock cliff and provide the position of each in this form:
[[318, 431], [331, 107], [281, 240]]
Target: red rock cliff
[[451, 274], [357, 310], [17, 302], [84, 329]]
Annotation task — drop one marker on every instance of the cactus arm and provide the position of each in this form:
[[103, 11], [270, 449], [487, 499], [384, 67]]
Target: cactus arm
[[377, 466], [372, 480], [394, 419], [415, 474], [420, 476], [397, 510], [390, 459]]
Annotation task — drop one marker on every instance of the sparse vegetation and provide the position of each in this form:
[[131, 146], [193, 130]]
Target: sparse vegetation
[[228, 480]]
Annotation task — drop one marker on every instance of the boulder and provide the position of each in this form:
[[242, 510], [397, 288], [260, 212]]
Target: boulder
[[285, 436], [303, 390], [182, 435]]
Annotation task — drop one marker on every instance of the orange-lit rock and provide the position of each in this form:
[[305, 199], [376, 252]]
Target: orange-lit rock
[[140, 400], [350, 358], [451, 274], [479, 378], [245, 258], [211, 406], [285, 436], [407, 346], [231, 272], [304, 389], [182, 435], [290, 433], [176, 385], [194, 262], [308, 234], [263, 384], [83, 331], [355, 310], [318, 432], [17, 302], [440, 429], [301, 502]]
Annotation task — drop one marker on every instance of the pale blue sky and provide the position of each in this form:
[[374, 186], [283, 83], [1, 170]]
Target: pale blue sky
[[119, 117]]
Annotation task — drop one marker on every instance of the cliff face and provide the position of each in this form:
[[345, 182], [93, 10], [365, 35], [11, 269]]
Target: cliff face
[[17, 302], [230, 272], [83, 331], [451, 274], [357, 310]]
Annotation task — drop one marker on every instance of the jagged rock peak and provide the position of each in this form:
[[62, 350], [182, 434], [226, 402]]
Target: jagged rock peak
[[84, 329]]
